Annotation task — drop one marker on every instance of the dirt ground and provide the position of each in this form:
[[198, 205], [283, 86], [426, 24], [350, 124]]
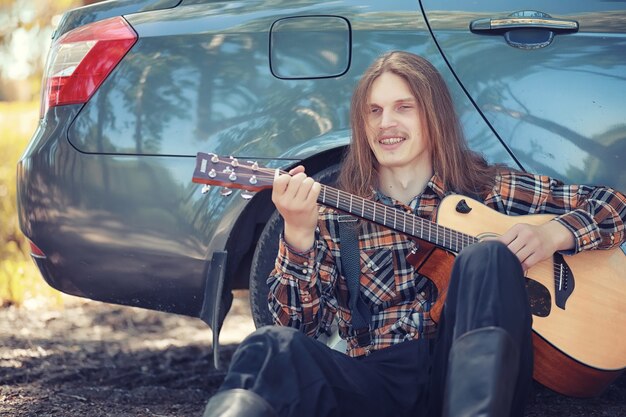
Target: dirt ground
[[95, 359]]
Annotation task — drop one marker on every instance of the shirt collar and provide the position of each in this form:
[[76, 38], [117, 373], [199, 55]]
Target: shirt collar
[[434, 186]]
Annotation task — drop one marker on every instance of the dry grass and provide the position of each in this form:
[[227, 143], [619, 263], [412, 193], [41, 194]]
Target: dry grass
[[20, 281]]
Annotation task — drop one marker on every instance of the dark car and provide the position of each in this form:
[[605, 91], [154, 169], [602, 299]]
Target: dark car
[[134, 89]]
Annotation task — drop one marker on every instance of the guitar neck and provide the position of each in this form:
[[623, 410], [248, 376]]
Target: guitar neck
[[392, 218], [229, 172]]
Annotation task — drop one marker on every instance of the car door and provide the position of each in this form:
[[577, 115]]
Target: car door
[[549, 77]]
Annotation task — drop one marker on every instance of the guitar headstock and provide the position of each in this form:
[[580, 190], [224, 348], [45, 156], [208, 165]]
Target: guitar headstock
[[229, 172]]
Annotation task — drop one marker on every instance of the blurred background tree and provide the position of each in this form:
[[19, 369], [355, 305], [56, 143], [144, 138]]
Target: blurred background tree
[[26, 28]]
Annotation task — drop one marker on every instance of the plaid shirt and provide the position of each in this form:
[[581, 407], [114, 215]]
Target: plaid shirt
[[307, 290]]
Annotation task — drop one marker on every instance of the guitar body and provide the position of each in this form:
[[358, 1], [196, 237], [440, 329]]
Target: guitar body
[[580, 345]]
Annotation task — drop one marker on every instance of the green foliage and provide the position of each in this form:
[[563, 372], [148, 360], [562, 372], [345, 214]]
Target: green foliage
[[19, 278]]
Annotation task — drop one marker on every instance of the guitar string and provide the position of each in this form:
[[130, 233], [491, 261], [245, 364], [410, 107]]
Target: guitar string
[[456, 241]]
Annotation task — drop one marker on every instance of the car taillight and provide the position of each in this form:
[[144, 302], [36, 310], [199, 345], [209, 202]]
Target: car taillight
[[80, 60], [35, 251]]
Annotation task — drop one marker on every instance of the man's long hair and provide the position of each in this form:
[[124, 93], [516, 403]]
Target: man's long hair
[[461, 169]]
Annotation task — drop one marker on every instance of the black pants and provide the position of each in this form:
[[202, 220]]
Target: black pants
[[302, 377]]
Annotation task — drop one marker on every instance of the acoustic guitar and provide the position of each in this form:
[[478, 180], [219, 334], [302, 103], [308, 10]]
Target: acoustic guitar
[[578, 302]]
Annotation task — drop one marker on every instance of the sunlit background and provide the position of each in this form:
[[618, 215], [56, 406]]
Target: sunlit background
[[26, 28]]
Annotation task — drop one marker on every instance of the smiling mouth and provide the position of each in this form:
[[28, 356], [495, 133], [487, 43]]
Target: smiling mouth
[[390, 141]]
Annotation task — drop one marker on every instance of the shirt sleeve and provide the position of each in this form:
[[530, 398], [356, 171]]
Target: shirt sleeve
[[595, 215], [302, 288]]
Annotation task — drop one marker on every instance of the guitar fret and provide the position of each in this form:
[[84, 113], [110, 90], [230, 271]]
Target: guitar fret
[[444, 238], [350, 203]]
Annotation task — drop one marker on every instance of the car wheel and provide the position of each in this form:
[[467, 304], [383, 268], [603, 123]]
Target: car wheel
[[265, 255]]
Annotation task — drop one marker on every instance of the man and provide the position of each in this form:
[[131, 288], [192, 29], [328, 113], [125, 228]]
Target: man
[[408, 152]]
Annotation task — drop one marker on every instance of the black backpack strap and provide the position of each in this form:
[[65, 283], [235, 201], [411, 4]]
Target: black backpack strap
[[350, 266]]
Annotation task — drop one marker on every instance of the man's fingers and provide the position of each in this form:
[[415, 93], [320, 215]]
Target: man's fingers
[[294, 185], [297, 170], [304, 189], [528, 243], [315, 192], [294, 191], [507, 237], [280, 183], [532, 260], [524, 254]]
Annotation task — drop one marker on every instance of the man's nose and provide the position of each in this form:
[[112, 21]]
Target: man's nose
[[387, 120]]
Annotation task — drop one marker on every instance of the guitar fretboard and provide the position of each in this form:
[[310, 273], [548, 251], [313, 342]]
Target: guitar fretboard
[[212, 169], [395, 219]]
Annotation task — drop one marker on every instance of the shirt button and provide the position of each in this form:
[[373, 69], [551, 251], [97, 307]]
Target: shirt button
[[306, 264], [423, 293], [305, 271], [584, 241], [306, 298]]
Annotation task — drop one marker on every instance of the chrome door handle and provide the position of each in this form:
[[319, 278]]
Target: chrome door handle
[[527, 19]]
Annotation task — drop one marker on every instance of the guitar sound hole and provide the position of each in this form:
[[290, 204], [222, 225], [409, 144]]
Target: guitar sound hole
[[539, 298]]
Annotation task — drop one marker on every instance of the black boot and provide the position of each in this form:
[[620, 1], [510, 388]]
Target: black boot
[[482, 373], [238, 403]]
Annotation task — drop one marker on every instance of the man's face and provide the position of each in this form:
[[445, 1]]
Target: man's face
[[394, 126]]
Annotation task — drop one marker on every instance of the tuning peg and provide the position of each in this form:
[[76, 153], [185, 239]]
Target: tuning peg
[[247, 195], [253, 180], [234, 162], [212, 173], [232, 176], [225, 192], [214, 158], [205, 188]]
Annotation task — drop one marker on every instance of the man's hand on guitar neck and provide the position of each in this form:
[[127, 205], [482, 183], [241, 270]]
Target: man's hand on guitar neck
[[532, 244], [295, 197]]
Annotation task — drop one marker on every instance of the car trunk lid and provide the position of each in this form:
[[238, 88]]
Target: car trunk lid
[[100, 11]]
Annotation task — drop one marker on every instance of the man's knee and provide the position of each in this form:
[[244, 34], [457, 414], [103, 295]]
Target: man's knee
[[485, 250], [280, 336], [487, 255], [488, 264], [264, 351], [272, 341]]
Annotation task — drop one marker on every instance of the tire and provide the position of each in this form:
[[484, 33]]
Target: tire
[[265, 256]]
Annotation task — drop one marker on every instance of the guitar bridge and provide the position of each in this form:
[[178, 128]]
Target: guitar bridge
[[563, 281]]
